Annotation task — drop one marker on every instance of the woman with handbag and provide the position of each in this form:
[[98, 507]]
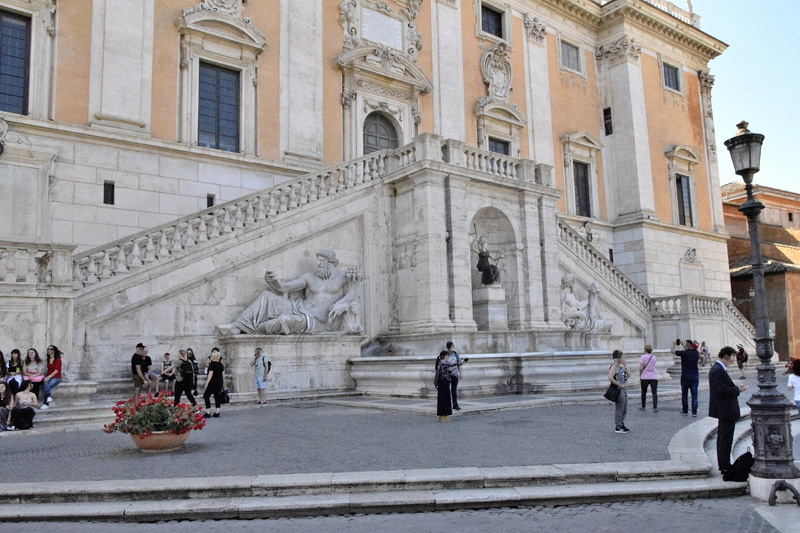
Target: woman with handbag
[[648, 376], [214, 384], [618, 376]]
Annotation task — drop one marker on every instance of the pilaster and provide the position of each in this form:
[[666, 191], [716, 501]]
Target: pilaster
[[448, 71], [550, 277], [459, 255]]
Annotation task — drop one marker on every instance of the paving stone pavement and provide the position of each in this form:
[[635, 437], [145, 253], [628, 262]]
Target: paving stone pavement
[[654, 516]]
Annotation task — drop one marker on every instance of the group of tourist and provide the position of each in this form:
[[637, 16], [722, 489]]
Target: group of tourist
[[179, 377], [723, 398], [447, 368], [24, 382]]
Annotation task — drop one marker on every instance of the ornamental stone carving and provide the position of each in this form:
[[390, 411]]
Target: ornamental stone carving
[[706, 83], [233, 8], [581, 315], [497, 74], [624, 49], [351, 19], [329, 302], [535, 30]]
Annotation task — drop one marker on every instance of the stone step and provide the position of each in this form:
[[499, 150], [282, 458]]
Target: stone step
[[220, 505]]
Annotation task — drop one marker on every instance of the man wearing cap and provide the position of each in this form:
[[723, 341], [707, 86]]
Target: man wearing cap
[[690, 374], [137, 364], [262, 367]]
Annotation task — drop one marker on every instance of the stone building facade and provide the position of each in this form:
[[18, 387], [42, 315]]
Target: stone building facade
[[172, 149]]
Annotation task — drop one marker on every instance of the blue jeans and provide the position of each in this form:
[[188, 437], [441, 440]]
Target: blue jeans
[[797, 404], [686, 385], [49, 386]]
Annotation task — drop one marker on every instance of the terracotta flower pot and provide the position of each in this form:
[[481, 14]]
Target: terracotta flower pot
[[160, 441]]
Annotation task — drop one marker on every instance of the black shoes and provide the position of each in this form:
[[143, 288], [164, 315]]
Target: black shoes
[[457, 408]]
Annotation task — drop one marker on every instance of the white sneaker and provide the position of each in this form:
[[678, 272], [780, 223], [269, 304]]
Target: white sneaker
[[44, 406], [48, 400]]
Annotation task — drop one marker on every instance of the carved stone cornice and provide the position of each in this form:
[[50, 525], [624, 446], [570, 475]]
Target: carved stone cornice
[[621, 50], [497, 73], [231, 8], [534, 29], [385, 62], [706, 83]]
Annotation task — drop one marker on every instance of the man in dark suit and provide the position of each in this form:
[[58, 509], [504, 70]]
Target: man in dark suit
[[724, 404]]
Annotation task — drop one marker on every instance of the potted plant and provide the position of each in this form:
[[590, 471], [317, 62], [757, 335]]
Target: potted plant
[[154, 423]]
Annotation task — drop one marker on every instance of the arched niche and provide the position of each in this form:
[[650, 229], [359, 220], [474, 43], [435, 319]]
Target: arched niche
[[501, 239]]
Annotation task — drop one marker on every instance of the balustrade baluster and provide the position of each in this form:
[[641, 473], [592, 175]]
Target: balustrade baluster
[[121, 265], [189, 241], [11, 266], [249, 219], [277, 197], [163, 251], [226, 221], [215, 233], [105, 266], [302, 195], [91, 271], [149, 250], [313, 183], [77, 276], [176, 239], [260, 208], [202, 229], [30, 275], [238, 218], [135, 255]]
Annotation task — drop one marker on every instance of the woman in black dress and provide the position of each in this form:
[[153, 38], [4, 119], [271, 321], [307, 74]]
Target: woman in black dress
[[214, 384], [444, 407]]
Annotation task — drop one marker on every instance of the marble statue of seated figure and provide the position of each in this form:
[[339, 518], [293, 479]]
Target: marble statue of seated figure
[[321, 308]]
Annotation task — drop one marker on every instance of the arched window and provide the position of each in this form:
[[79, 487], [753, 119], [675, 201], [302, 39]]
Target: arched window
[[379, 133]]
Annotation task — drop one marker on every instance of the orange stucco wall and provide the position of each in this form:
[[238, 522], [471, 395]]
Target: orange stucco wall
[[670, 124], [574, 109], [73, 60]]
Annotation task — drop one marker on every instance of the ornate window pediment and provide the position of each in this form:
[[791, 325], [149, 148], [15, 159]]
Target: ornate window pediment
[[581, 166], [215, 31], [379, 69], [497, 117]]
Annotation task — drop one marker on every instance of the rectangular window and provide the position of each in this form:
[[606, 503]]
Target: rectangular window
[[108, 193], [611, 254], [210, 200], [580, 176], [15, 43], [499, 147], [491, 21], [607, 121], [791, 217], [684, 199], [218, 110], [671, 78], [569, 57]]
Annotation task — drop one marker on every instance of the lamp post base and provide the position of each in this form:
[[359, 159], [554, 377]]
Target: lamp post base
[[761, 489]]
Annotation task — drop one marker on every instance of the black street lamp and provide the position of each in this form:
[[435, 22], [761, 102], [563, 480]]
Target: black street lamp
[[769, 408]]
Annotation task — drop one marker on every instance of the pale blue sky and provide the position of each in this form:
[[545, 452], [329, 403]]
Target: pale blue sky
[[757, 80]]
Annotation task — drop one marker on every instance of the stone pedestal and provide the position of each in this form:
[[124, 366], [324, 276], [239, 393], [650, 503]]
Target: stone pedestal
[[489, 308], [300, 363], [760, 489]]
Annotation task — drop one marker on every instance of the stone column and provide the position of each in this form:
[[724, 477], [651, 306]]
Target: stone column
[[626, 155], [712, 167], [121, 77], [459, 255], [448, 72], [550, 288], [421, 254], [301, 67], [532, 281]]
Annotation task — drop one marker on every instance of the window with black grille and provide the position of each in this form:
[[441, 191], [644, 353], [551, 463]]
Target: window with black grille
[[580, 177], [210, 200], [108, 193], [607, 121], [499, 147], [15, 44], [684, 200], [218, 110], [491, 21], [671, 78]]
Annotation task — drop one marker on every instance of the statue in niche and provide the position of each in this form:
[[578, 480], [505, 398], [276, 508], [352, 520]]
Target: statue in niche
[[581, 314], [330, 303], [490, 274]]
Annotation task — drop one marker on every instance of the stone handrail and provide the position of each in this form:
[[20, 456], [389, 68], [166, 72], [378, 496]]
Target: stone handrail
[[600, 264], [175, 238], [503, 166], [703, 305], [27, 263]]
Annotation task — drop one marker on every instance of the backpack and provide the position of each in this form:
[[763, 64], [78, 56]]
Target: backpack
[[187, 371], [740, 468]]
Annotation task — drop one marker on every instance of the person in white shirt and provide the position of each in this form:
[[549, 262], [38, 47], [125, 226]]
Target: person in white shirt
[[794, 383]]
